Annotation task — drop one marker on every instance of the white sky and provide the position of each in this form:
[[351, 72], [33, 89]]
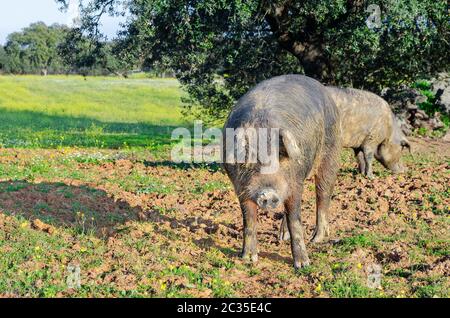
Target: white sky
[[17, 14]]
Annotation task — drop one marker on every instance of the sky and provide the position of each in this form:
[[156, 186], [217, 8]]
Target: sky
[[17, 14]]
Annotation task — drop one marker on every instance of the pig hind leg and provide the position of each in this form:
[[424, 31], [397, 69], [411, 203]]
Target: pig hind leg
[[359, 154], [369, 153], [284, 230], [324, 179]]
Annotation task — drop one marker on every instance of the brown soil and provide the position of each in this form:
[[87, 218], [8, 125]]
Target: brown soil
[[385, 206]]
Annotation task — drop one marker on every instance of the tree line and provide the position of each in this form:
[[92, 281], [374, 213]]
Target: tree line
[[58, 49]]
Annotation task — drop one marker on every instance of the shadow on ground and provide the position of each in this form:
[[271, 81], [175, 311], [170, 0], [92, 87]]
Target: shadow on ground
[[214, 166], [85, 209], [27, 128]]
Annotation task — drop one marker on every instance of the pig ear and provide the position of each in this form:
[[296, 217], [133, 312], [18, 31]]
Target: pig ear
[[287, 141], [405, 144]]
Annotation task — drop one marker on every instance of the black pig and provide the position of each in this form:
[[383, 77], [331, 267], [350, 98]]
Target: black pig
[[308, 144], [370, 128]]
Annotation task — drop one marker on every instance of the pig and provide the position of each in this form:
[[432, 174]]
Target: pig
[[369, 127], [308, 123]]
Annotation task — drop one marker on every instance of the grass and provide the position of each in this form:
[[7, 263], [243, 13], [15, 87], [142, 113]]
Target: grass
[[102, 112], [89, 158], [360, 240]]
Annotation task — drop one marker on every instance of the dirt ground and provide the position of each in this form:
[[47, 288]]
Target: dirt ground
[[182, 236]]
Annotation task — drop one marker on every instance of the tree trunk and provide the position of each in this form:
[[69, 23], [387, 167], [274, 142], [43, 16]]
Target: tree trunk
[[316, 64], [307, 45]]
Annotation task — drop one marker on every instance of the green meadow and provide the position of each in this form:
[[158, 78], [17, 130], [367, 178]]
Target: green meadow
[[73, 111], [85, 182]]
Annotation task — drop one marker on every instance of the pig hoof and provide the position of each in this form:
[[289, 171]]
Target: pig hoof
[[254, 258], [250, 257], [245, 256], [318, 239], [284, 236], [320, 236], [299, 266]]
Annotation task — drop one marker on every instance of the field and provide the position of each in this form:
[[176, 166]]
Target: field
[[98, 112], [86, 183]]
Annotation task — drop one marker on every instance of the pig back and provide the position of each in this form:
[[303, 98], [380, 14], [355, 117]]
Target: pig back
[[365, 117], [295, 103]]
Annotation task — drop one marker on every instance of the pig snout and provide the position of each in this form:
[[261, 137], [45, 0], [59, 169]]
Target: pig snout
[[267, 198]]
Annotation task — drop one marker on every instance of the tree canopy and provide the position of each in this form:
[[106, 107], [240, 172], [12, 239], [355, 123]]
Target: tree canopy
[[34, 49], [219, 48], [3, 58], [56, 49], [85, 55]]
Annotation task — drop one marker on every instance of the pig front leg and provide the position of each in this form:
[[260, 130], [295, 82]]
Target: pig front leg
[[369, 152], [294, 224], [359, 154], [249, 250]]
